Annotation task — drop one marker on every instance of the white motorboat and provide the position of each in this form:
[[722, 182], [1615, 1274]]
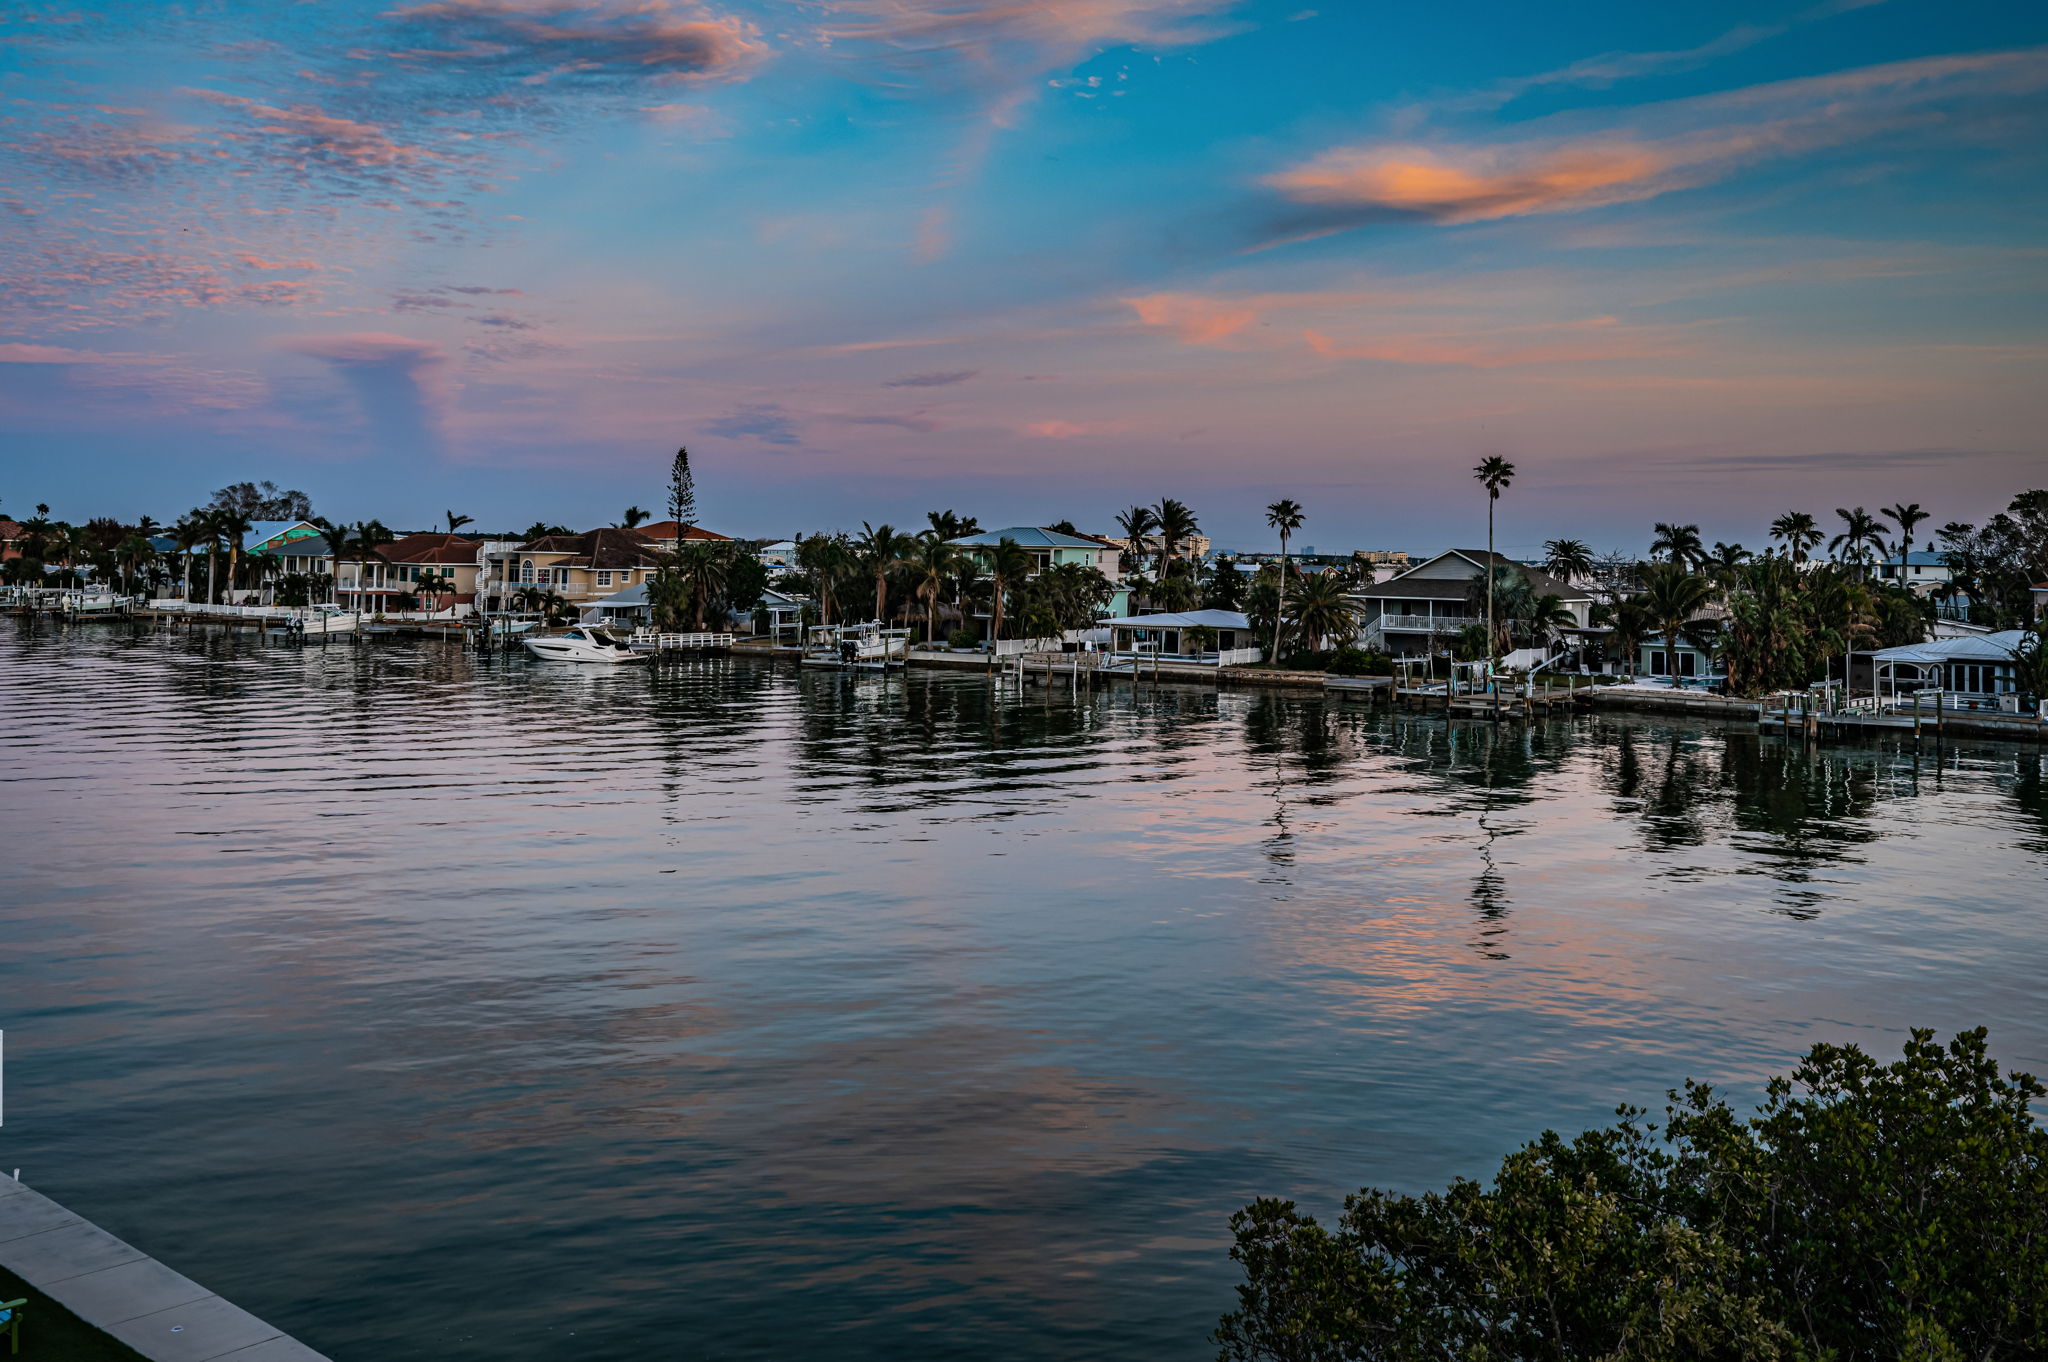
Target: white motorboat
[[581, 644], [320, 620], [866, 647]]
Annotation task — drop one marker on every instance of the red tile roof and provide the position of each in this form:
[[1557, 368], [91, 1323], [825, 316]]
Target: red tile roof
[[666, 529], [607, 548], [432, 547]]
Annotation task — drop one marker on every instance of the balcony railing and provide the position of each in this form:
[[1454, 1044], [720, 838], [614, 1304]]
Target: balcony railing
[[1420, 624]]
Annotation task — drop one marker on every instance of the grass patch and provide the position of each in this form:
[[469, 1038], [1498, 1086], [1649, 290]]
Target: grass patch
[[50, 1333]]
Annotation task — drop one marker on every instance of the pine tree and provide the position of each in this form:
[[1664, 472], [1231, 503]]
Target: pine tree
[[682, 491]]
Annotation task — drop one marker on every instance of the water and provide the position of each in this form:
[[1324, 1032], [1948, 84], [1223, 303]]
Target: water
[[443, 1007]]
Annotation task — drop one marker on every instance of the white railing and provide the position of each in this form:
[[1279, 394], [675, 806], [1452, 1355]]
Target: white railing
[[1237, 657], [1421, 624], [651, 639], [1010, 647]]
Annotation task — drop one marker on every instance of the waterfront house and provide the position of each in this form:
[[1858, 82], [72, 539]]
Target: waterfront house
[[285, 555], [269, 537], [1978, 668], [452, 557], [375, 581], [780, 554], [1052, 548], [1418, 612], [580, 568], [1167, 635]]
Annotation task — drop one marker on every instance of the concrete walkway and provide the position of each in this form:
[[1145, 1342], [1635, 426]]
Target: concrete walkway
[[124, 1292]]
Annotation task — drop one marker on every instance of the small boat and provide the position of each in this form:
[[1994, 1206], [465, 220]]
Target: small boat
[[864, 647], [321, 620], [581, 644]]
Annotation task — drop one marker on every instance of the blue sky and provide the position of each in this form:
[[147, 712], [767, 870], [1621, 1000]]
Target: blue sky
[[1030, 260]]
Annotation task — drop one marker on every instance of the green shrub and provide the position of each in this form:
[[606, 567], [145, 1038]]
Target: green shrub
[[964, 638], [1866, 1212], [1351, 661]]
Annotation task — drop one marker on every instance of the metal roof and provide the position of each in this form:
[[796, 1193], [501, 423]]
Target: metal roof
[[1029, 536], [1192, 619], [1999, 647]]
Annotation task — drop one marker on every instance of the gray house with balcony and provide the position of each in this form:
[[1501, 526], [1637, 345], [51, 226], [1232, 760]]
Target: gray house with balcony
[[1418, 612]]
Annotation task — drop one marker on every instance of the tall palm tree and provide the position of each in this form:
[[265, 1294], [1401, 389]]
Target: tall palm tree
[[1907, 516], [634, 517], [232, 523], [1136, 522], [1799, 532], [456, 522], [882, 549], [1285, 515], [1567, 559], [828, 560], [933, 562], [1862, 533], [1673, 595], [1495, 473], [1009, 565], [188, 534], [1680, 544], [1177, 525]]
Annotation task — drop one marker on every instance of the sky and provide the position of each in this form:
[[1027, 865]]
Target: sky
[[1031, 261]]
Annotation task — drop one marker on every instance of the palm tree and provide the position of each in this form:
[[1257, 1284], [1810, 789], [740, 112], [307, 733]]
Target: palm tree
[[1544, 616], [456, 522], [1673, 595], [1861, 533], [1177, 525], [1680, 544], [1495, 473], [828, 560], [947, 525], [1320, 610], [1907, 515], [634, 518], [188, 534], [1726, 561], [232, 523], [881, 549], [706, 569], [1567, 559], [1136, 522], [1285, 515], [1008, 567], [361, 544], [1799, 532], [933, 561]]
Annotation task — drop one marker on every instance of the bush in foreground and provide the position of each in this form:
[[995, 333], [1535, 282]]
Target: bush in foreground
[[1867, 1211]]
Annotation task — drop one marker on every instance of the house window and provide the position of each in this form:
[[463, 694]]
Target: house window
[[526, 572], [561, 576], [604, 579]]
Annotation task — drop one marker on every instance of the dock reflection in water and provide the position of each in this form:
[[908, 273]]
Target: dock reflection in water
[[442, 1007]]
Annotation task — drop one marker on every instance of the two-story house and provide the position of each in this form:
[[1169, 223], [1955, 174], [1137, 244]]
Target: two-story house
[[1052, 548], [580, 568], [1418, 612]]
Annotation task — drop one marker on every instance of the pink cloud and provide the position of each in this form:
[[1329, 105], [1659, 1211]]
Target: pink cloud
[[541, 41]]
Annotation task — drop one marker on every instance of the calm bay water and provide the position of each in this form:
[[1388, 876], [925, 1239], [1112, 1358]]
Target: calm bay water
[[443, 1007]]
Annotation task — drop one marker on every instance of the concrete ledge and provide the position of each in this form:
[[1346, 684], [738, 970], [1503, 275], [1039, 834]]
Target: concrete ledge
[[122, 1291]]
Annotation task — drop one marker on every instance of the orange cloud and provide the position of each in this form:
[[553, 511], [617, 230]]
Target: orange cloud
[[1476, 186], [1677, 145]]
